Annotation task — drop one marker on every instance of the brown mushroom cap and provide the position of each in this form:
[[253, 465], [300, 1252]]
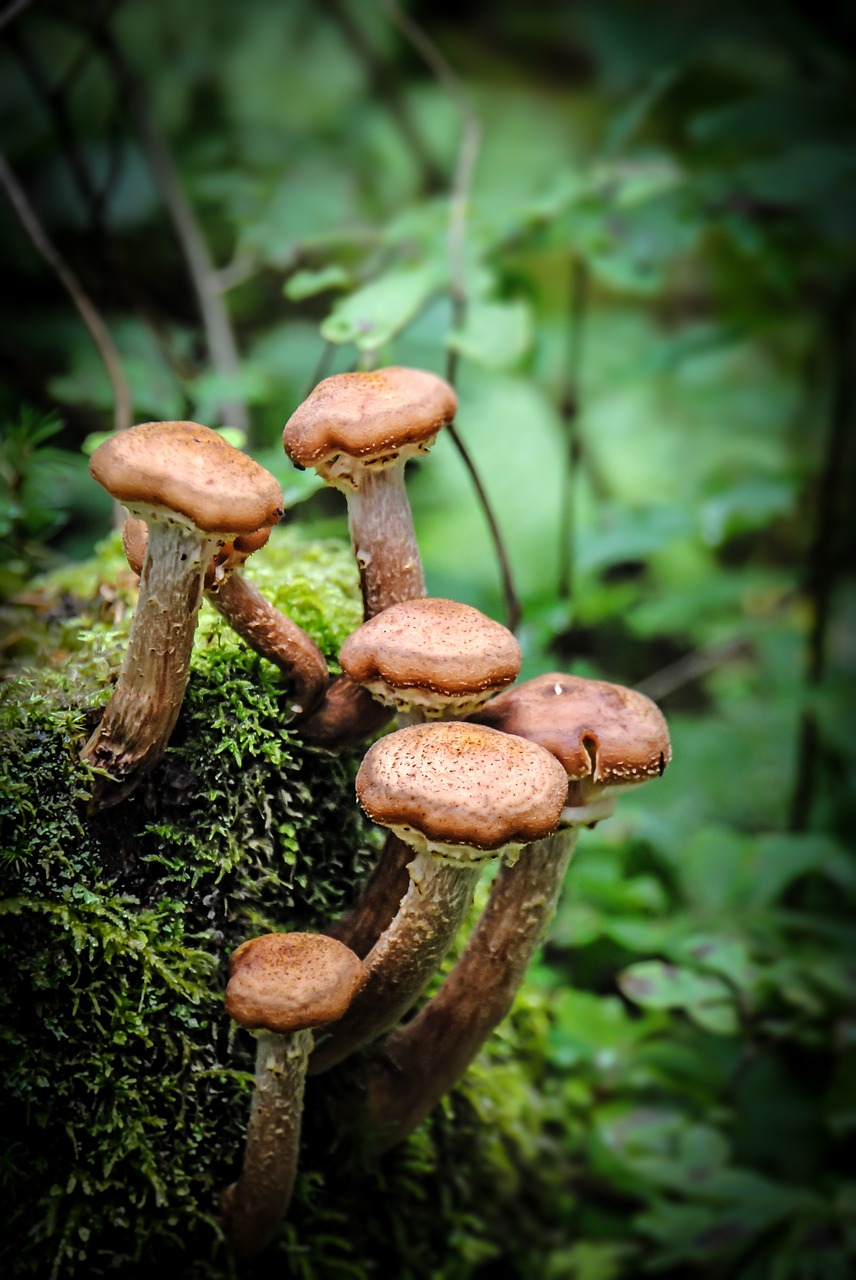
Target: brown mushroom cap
[[605, 733], [291, 981], [191, 472], [369, 417], [452, 787], [431, 653]]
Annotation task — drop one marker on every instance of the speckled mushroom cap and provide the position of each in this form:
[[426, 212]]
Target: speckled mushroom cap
[[189, 473], [461, 791], [291, 981], [603, 733], [352, 420], [441, 656]]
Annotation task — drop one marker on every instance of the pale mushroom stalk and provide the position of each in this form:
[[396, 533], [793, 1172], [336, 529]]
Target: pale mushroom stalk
[[253, 1208], [144, 706], [421, 1061], [281, 986], [270, 633], [383, 538], [405, 957], [460, 795], [195, 493], [360, 926]]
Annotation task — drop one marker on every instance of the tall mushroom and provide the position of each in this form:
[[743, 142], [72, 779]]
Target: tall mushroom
[[271, 633], [358, 431], [426, 659], [195, 492], [281, 986], [605, 737], [459, 795]]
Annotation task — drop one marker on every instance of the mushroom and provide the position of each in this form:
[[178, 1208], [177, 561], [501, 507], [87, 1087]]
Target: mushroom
[[604, 736], [358, 430], [431, 657], [459, 795], [195, 492], [425, 658], [265, 629], [281, 986]]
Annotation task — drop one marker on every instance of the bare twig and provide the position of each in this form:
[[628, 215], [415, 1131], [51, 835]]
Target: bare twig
[[570, 407], [13, 11], [220, 338], [91, 317], [692, 666], [456, 244], [839, 336]]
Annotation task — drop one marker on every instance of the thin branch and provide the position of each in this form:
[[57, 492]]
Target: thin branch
[[839, 335], [570, 409], [692, 667], [91, 317], [14, 11], [456, 247], [220, 338]]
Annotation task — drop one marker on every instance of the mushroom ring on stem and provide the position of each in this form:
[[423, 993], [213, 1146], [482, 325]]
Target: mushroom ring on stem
[[281, 986], [428, 659], [195, 492], [603, 735], [271, 633], [459, 795], [358, 431]]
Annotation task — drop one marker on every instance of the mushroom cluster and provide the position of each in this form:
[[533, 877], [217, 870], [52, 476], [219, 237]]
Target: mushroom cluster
[[466, 766]]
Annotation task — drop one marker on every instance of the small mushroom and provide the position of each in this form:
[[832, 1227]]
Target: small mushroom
[[281, 986], [459, 795], [358, 431], [195, 492], [251, 615], [604, 736], [427, 658]]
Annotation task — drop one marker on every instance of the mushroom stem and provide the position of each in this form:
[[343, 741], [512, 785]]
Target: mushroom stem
[[360, 926], [253, 1207], [421, 1061], [141, 714], [383, 538], [273, 635], [346, 717], [405, 957]]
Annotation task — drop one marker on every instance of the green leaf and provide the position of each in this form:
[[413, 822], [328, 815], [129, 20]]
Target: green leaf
[[496, 335], [705, 998], [306, 284], [371, 316]]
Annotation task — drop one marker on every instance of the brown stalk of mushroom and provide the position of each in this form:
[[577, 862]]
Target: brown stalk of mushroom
[[281, 987], [358, 431], [195, 492], [460, 795], [272, 634], [607, 738], [424, 659]]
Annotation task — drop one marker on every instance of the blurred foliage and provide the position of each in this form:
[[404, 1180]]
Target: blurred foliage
[[647, 295]]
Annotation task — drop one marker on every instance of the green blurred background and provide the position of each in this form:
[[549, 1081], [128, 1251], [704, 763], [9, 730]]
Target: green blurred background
[[629, 233]]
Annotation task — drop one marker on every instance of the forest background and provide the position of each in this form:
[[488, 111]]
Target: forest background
[[628, 233]]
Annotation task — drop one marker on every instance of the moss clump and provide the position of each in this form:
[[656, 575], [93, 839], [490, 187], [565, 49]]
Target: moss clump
[[126, 1087]]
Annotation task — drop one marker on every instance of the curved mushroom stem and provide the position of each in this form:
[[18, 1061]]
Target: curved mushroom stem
[[273, 635], [345, 718], [383, 538], [253, 1208], [405, 957], [421, 1061], [141, 714]]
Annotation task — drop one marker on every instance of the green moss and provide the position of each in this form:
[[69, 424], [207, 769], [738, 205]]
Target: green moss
[[126, 1086]]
